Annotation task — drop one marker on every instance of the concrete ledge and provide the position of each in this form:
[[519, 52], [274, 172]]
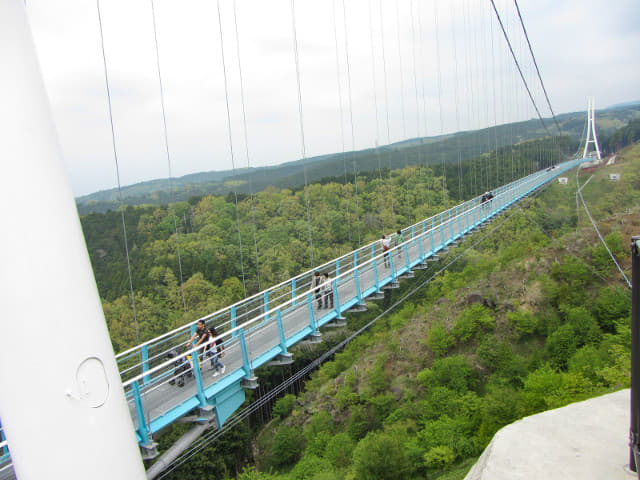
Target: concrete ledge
[[588, 440]]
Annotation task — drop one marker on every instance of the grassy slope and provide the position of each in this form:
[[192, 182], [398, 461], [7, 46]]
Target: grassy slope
[[510, 268]]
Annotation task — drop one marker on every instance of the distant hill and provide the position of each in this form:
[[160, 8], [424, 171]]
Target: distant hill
[[425, 150]]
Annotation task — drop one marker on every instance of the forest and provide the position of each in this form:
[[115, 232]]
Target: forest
[[431, 151], [528, 315]]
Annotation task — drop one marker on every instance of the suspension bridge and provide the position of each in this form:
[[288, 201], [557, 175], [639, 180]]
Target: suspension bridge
[[88, 399]]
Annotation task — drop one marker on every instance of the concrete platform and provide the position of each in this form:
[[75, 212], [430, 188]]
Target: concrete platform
[[585, 440]]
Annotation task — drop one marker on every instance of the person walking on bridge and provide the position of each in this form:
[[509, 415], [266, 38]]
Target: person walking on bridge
[[202, 334], [216, 354], [327, 291], [386, 245]]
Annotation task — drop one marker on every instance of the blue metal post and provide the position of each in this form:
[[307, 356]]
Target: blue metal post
[[145, 363], [442, 229], [197, 374], [233, 314], [433, 247], [356, 274], [375, 275], [293, 292], [337, 269], [246, 364], [393, 274], [143, 428], [4, 450], [283, 344], [406, 255], [336, 298], [312, 318], [266, 304]]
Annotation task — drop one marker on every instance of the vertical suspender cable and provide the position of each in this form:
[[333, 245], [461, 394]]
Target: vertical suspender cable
[[533, 57], [402, 106], [115, 157], [423, 92], [246, 145], [166, 145], [375, 104], [304, 153], [439, 78], [415, 86], [386, 99], [353, 140], [495, 107], [233, 162], [456, 99], [339, 85]]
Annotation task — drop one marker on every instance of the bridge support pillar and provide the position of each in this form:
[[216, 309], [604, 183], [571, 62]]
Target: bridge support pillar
[[86, 410]]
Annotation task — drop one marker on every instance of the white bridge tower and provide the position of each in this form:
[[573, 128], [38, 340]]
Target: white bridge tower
[[591, 129]]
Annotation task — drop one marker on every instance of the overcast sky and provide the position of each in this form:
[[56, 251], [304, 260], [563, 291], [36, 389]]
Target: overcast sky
[[371, 72]]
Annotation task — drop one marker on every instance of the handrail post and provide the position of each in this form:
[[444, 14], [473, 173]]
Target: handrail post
[[375, 275], [144, 351], [266, 304], [283, 343], [312, 318], [634, 431], [197, 374], [293, 292], [246, 364], [336, 298], [143, 428], [356, 274], [233, 314]]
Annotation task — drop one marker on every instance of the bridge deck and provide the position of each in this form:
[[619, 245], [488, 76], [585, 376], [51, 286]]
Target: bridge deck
[[264, 326]]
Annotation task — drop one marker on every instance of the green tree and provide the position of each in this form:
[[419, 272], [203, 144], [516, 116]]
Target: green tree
[[380, 456]]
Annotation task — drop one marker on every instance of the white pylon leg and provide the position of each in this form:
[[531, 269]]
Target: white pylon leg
[[591, 128], [62, 405]]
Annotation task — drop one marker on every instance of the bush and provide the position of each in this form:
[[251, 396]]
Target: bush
[[288, 446], [439, 340], [585, 327], [284, 406], [560, 346], [524, 323], [308, 467], [380, 456], [454, 372], [494, 355], [613, 303], [471, 320], [339, 450], [439, 458]]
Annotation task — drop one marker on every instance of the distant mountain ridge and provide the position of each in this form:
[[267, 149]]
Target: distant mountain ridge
[[424, 150]]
